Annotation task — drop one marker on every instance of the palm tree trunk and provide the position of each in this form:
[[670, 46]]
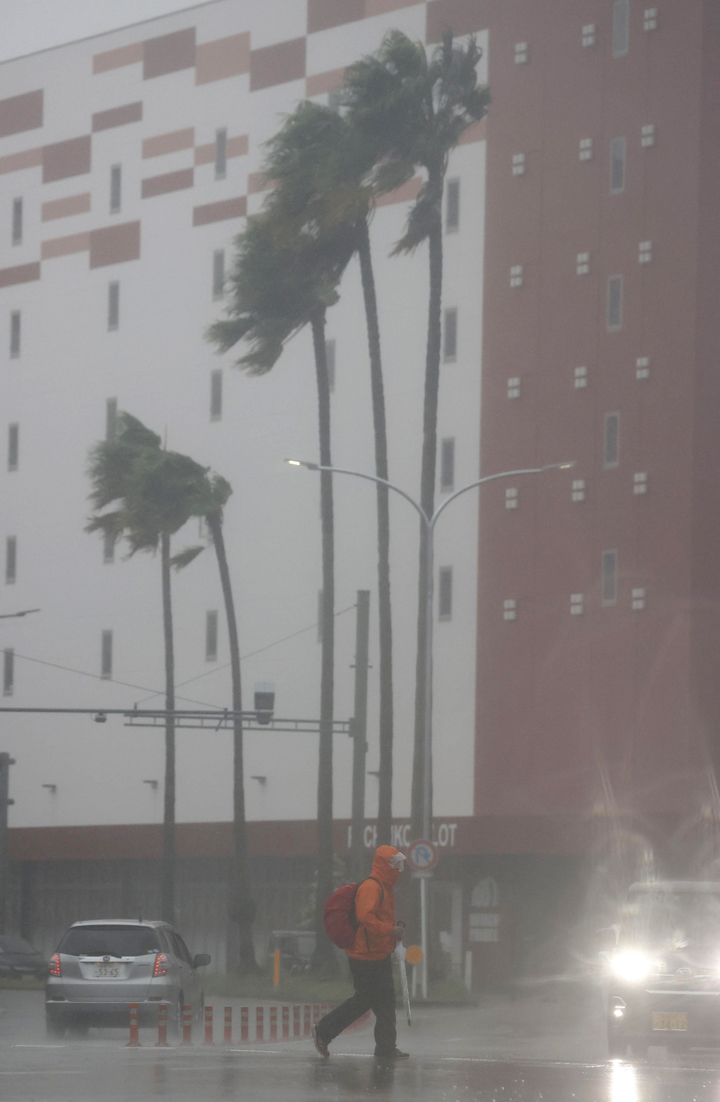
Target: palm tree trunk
[[168, 849], [384, 820], [427, 483], [324, 956], [242, 907]]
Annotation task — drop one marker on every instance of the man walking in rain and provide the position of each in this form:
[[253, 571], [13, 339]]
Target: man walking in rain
[[370, 957]]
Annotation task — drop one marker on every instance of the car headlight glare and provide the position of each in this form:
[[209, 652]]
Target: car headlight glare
[[630, 965]]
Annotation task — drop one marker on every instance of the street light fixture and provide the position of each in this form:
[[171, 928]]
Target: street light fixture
[[428, 530]]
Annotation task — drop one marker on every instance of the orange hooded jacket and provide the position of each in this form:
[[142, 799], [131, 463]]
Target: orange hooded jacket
[[375, 910]]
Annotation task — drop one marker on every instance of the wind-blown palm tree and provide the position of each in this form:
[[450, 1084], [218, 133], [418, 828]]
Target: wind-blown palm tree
[[415, 110], [320, 157], [283, 279], [155, 493]]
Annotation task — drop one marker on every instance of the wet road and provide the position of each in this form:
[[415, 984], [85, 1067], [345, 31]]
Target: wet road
[[456, 1057]]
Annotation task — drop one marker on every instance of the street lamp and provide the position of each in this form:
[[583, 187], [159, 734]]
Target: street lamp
[[428, 531]]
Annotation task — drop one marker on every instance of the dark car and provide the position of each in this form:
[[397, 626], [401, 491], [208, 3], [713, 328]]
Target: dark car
[[19, 958], [664, 972]]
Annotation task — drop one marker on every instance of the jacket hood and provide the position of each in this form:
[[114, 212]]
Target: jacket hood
[[380, 868]]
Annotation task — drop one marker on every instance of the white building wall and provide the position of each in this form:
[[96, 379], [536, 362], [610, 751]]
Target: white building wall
[[157, 364]]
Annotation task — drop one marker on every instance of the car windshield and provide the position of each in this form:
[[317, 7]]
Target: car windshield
[[15, 945], [102, 941], [674, 919]]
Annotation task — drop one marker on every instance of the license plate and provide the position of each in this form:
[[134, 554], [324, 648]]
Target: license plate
[[106, 971], [669, 1021]]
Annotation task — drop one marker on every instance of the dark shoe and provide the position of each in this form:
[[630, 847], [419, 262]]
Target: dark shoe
[[320, 1045], [395, 1054]]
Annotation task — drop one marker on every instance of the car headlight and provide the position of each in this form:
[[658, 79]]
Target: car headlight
[[630, 965]]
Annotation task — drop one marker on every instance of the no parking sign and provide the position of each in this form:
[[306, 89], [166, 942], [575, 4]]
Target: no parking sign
[[422, 855]]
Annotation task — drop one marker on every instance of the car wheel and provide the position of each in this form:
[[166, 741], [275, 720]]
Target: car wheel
[[54, 1028], [617, 1042]]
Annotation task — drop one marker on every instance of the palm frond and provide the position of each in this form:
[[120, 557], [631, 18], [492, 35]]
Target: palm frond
[[185, 557]]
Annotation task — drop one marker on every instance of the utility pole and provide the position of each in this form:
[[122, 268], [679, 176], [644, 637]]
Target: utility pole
[[5, 762], [359, 732]]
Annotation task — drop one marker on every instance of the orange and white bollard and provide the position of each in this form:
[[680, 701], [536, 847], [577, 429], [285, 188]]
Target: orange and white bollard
[[244, 1023], [186, 1024], [273, 1023], [227, 1033], [208, 1026], [134, 1041], [307, 1027], [286, 1023], [162, 1041], [296, 1021], [260, 1023]]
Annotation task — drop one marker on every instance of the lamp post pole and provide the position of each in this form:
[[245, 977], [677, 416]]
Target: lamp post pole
[[428, 530]]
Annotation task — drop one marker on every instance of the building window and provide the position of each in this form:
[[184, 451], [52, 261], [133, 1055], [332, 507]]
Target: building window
[[640, 482], [611, 446], [518, 164], [450, 326], [585, 149], [115, 188], [330, 364], [638, 600], [576, 604], [513, 386], [218, 274], [614, 302], [582, 264], [516, 276], [645, 252], [621, 28], [13, 447], [578, 490], [15, 333], [510, 609], [111, 414], [220, 154], [521, 53], [108, 547], [581, 378], [447, 463], [216, 394], [10, 560], [113, 305], [511, 498], [17, 221], [617, 165], [588, 35], [106, 654], [452, 206], [211, 636], [650, 19], [609, 577], [445, 593], [642, 367], [8, 671], [647, 135]]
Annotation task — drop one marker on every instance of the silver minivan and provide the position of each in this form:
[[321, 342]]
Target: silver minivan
[[102, 966]]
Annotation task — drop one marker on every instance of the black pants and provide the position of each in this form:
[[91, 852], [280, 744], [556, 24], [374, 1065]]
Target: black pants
[[374, 990]]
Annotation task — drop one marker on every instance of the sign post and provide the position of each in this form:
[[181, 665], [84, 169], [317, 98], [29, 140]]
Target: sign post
[[422, 858]]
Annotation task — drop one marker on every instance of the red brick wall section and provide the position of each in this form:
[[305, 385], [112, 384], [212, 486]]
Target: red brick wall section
[[21, 273], [114, 244], [277, 64], [223, 58], [323, 14], [220, 212], [21, 113], [64, 159], [169, 53], [117, 116], [169, 181]]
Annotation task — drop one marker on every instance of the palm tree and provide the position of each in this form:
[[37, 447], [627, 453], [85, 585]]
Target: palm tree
[[155, 492], [284, 278], [415, 110], [319, 156]]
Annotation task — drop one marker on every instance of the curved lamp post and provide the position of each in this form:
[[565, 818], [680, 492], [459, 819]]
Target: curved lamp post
[[428, 529]]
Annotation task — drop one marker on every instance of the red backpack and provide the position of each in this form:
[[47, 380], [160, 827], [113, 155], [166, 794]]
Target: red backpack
[[339, 916]]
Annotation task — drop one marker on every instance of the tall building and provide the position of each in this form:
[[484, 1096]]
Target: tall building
[[575, 690]]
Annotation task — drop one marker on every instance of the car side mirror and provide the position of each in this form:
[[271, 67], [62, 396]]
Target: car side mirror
[[201, 959]]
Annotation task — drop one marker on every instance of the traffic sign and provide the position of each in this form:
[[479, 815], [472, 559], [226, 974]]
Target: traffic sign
[[422, 855]]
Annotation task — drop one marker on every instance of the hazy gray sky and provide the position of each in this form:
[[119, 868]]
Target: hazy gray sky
[[30, 25]]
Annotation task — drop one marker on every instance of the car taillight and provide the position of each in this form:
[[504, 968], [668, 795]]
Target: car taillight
[[54, 966], [160, 968]]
